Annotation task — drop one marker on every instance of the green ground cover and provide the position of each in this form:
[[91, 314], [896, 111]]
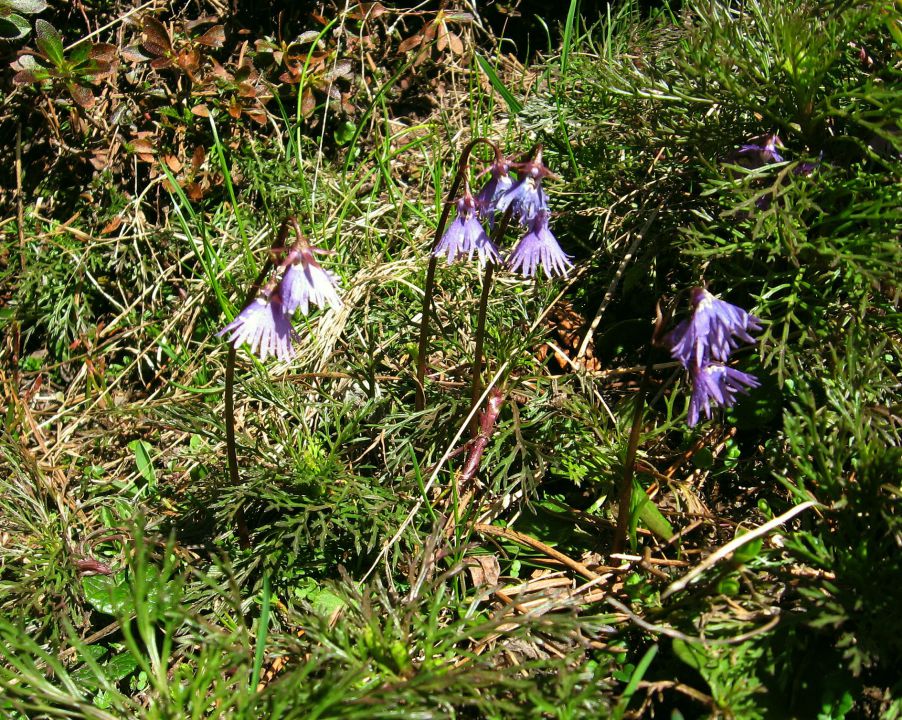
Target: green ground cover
[[585, 552]]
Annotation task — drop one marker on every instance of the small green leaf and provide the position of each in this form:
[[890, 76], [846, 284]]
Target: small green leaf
[[14, 27], [325, 602], [109, 594], [650, 516], [27, 7], [345, 133], [142, 451], [703, 459], [114, 595], [49, 42]]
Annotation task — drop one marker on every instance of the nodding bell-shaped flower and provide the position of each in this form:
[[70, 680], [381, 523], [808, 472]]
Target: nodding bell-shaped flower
[[525, 197], [265, 327], [466, 236], [717, 384], [499, 182], [712, 332], [305, 282], [756, 155], [539, 247]]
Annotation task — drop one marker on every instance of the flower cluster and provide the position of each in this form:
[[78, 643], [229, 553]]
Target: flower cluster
[[525, 200], [265, 324], [703, 343]]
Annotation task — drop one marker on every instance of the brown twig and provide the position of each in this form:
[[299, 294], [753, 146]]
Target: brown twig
[[523, 539]]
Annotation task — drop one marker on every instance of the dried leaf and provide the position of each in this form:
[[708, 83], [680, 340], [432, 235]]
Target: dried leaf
[[214, 37], [484, 570], [342, 68], [197, 158], [141, 145], [111, 226], [455, 45], [410, 43], [258, 116], [189, 60], [133, 54], [82, 95], [156, 35], [194, 191], [308, 103], [24, 77], [173, 162]]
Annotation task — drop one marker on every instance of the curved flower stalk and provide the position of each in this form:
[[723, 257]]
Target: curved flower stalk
[[265, 323], [523, 199], [539, 247], [466, 236]]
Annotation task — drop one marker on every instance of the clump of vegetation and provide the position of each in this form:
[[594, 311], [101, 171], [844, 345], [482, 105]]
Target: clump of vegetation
[[653, 470]]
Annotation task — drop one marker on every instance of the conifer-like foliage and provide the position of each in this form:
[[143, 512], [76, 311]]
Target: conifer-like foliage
[[352, 369]]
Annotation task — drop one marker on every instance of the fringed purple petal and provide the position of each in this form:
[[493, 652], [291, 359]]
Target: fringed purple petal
[[716, 384], [265, 327], [307, 283], [713, 331], [539, 247]]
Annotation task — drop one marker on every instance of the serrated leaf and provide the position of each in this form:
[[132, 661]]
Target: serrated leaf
[[49, 41]]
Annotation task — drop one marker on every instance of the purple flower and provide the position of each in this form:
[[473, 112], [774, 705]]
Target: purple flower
[[760, 155], [495, 187], [305, 282], [466, 235], [711, 332], [539, 246], [265, 327], [718, 384], [526, 197], [806, 168]]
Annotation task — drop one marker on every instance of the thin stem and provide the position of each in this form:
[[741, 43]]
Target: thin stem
[[241, 529], [429, 287], [476, 373], [476, 382], [626, 483]]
